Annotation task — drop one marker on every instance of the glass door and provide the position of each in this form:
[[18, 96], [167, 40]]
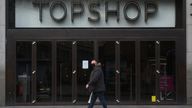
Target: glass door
[[33, 72], [43, 72], [148, 71], [84, 54], [158, 72], [23, 72], [107, 58], [64, 71], [167, 81], [127, 72]]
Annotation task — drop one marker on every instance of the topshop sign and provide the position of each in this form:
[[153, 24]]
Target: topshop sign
[[94, 13]]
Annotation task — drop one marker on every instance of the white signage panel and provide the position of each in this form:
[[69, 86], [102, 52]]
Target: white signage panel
[[85, 64], [94, 13]]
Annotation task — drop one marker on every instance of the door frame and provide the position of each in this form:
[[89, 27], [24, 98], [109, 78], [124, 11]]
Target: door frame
[[160, 35]]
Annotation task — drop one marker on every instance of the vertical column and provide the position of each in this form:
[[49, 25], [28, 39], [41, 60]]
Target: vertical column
[[137, 70], [189, 51], [157, 60], [34, 69], [54, 72], [96, 50], [74, 72], [117, 69], [2, 52]]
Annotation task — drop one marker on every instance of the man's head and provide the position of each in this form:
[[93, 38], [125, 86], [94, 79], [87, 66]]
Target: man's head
[[93, 62]]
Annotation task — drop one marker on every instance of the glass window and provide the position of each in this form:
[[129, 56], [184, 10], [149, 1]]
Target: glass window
[[167, 71], [127, 68], [107, 59], [23, 71], [64, 71], [84, 54], [148, 73], [44, 71]]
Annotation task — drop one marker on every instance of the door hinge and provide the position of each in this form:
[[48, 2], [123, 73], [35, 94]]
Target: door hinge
[[158, 71], [34, 101], [157, 42], [117, 101], [74, 42], [34, 42], [74, 101], [117, 42], [158, 100], [34, 72], [74, 71], [117, 71]]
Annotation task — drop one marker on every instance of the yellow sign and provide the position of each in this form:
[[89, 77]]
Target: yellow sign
[[153, 98]]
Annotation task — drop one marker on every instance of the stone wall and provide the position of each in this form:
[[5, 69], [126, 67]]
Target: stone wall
[[189, 51], [2, 52]]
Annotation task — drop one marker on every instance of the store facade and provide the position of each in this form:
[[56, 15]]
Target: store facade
[[141, 45]]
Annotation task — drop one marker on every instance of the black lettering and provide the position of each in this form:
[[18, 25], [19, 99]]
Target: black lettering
[[94, 11], [111, 12], [136, 5], [53, 5], [40, 4], [150, 9], [75, 13]]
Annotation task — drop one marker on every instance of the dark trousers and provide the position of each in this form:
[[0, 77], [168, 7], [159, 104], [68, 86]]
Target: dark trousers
[[101, 97]]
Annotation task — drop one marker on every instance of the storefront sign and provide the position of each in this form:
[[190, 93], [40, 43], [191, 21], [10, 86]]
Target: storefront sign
[[95, 13]]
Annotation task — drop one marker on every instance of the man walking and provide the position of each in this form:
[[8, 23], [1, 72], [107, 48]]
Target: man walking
[[96, 85]]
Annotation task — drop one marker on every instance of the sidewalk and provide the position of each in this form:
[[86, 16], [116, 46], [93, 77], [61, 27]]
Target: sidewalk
[[109, 106]]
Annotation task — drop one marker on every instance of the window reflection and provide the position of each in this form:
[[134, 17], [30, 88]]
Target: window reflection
[[148, 67], [64, 73], [84, 53], [23, 71], [107, 59], [44, 71], [127, 67], [167, 69]]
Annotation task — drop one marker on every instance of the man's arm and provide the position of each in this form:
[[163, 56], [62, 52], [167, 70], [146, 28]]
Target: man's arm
[[95, 77]]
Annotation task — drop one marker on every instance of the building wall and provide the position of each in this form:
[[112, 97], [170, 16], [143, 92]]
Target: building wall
[[189, 51], [2, 52]]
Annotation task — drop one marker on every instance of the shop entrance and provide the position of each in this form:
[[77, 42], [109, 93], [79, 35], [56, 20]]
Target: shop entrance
[[56, 72]]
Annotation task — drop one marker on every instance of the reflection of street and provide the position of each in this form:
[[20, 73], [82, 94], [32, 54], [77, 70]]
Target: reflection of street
[[23, 87], [109, 72], [107, 59], [85, 52]]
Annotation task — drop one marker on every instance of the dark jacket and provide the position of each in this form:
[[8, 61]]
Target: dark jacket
[[96, 82]]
